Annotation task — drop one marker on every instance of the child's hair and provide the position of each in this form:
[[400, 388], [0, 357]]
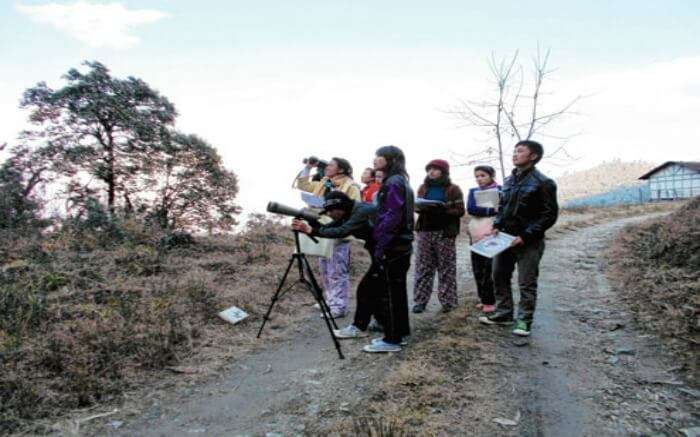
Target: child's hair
[[486, 169]]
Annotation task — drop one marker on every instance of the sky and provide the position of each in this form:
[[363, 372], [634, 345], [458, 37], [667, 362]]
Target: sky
[[270, 82]]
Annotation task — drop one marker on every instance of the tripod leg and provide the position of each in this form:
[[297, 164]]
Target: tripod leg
[[276, 295], [316, 291]]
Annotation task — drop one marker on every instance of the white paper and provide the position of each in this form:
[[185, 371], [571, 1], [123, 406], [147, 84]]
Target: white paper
[[311, 200], [486, 198], [324, 248], [493, 245], [233, 315]]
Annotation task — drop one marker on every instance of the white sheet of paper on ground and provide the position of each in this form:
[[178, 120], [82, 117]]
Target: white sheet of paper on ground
[[492, 246], [233, 315]]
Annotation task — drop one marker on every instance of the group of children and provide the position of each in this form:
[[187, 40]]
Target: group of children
[[383, 215]]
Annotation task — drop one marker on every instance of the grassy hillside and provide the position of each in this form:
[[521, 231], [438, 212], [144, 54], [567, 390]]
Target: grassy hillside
[[89, 314], [600, 179]]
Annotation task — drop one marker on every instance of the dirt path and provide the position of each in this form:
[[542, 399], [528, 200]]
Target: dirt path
[[585, 371]]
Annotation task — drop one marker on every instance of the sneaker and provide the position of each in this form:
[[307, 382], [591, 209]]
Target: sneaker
[[493, 319], [374, 326], [418, 308], [350, 331], [404, 340], [381, 346], [488, 308], [522, 328]]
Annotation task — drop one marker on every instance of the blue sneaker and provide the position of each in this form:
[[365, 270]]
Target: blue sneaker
[[381, 346]]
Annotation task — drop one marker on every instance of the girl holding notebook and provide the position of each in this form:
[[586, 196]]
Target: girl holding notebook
[[482, 207]]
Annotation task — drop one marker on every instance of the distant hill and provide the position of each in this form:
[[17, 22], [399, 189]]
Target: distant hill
[[602, 178]]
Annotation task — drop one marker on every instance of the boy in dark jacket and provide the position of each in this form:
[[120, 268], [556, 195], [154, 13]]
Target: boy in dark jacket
[[351, 218], [437, 229], [528, 207]]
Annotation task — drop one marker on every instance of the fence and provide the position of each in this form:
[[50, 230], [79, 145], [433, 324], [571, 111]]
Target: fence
[[628, 195]]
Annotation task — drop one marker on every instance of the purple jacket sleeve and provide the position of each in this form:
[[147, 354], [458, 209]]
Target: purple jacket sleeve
[[389, 217]]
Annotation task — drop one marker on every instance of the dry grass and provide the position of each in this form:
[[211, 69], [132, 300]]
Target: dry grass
[[84, 319], [656, 269], [430, 389]]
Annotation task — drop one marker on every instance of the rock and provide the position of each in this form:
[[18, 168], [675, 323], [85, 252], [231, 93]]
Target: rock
[[197, 431], [690, 392], [625, 351], [116, 424], [273, 434], [680, 416], [508, 422], [520, 342], [313, 409], [691, 432], [613, 360], [614, 326]]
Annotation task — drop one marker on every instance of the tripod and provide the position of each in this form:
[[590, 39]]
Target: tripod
[[306, 278]]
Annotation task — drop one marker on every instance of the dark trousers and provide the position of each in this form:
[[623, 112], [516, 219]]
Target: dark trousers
[[527, 258], [368, 296], [481, 268], [392, 310]]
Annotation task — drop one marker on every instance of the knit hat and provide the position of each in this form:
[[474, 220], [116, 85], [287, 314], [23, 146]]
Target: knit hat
[[440, 164]]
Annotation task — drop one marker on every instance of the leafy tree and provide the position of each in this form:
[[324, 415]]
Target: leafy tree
[[102, 127], [21, 174], [113, 141], [194, 189]]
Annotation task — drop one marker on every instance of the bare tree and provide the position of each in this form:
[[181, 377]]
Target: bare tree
[[515, 113]]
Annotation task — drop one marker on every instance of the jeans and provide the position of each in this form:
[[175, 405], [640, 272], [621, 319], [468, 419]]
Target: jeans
[[527, 258], [483, 276]]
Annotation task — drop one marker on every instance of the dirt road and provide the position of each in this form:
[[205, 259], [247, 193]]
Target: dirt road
[[587, 370]]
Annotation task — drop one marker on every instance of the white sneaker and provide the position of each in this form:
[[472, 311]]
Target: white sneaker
[[404, 340], [350, 331], [381, 346]]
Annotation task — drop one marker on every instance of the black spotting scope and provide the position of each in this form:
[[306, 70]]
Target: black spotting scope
[[278, 208]]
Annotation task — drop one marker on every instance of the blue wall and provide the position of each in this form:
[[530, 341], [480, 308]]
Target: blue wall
[[620, 196]]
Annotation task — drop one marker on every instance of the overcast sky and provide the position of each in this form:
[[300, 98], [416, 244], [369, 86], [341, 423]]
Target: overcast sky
[[269, 82]]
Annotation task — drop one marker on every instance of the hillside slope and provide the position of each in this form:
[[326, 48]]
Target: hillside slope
[[601, 178]]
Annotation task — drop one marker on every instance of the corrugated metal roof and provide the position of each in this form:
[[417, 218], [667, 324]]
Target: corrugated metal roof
[[693, 165]]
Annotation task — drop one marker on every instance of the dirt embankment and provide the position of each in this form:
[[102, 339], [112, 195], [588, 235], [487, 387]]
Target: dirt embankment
[[655, 267]]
